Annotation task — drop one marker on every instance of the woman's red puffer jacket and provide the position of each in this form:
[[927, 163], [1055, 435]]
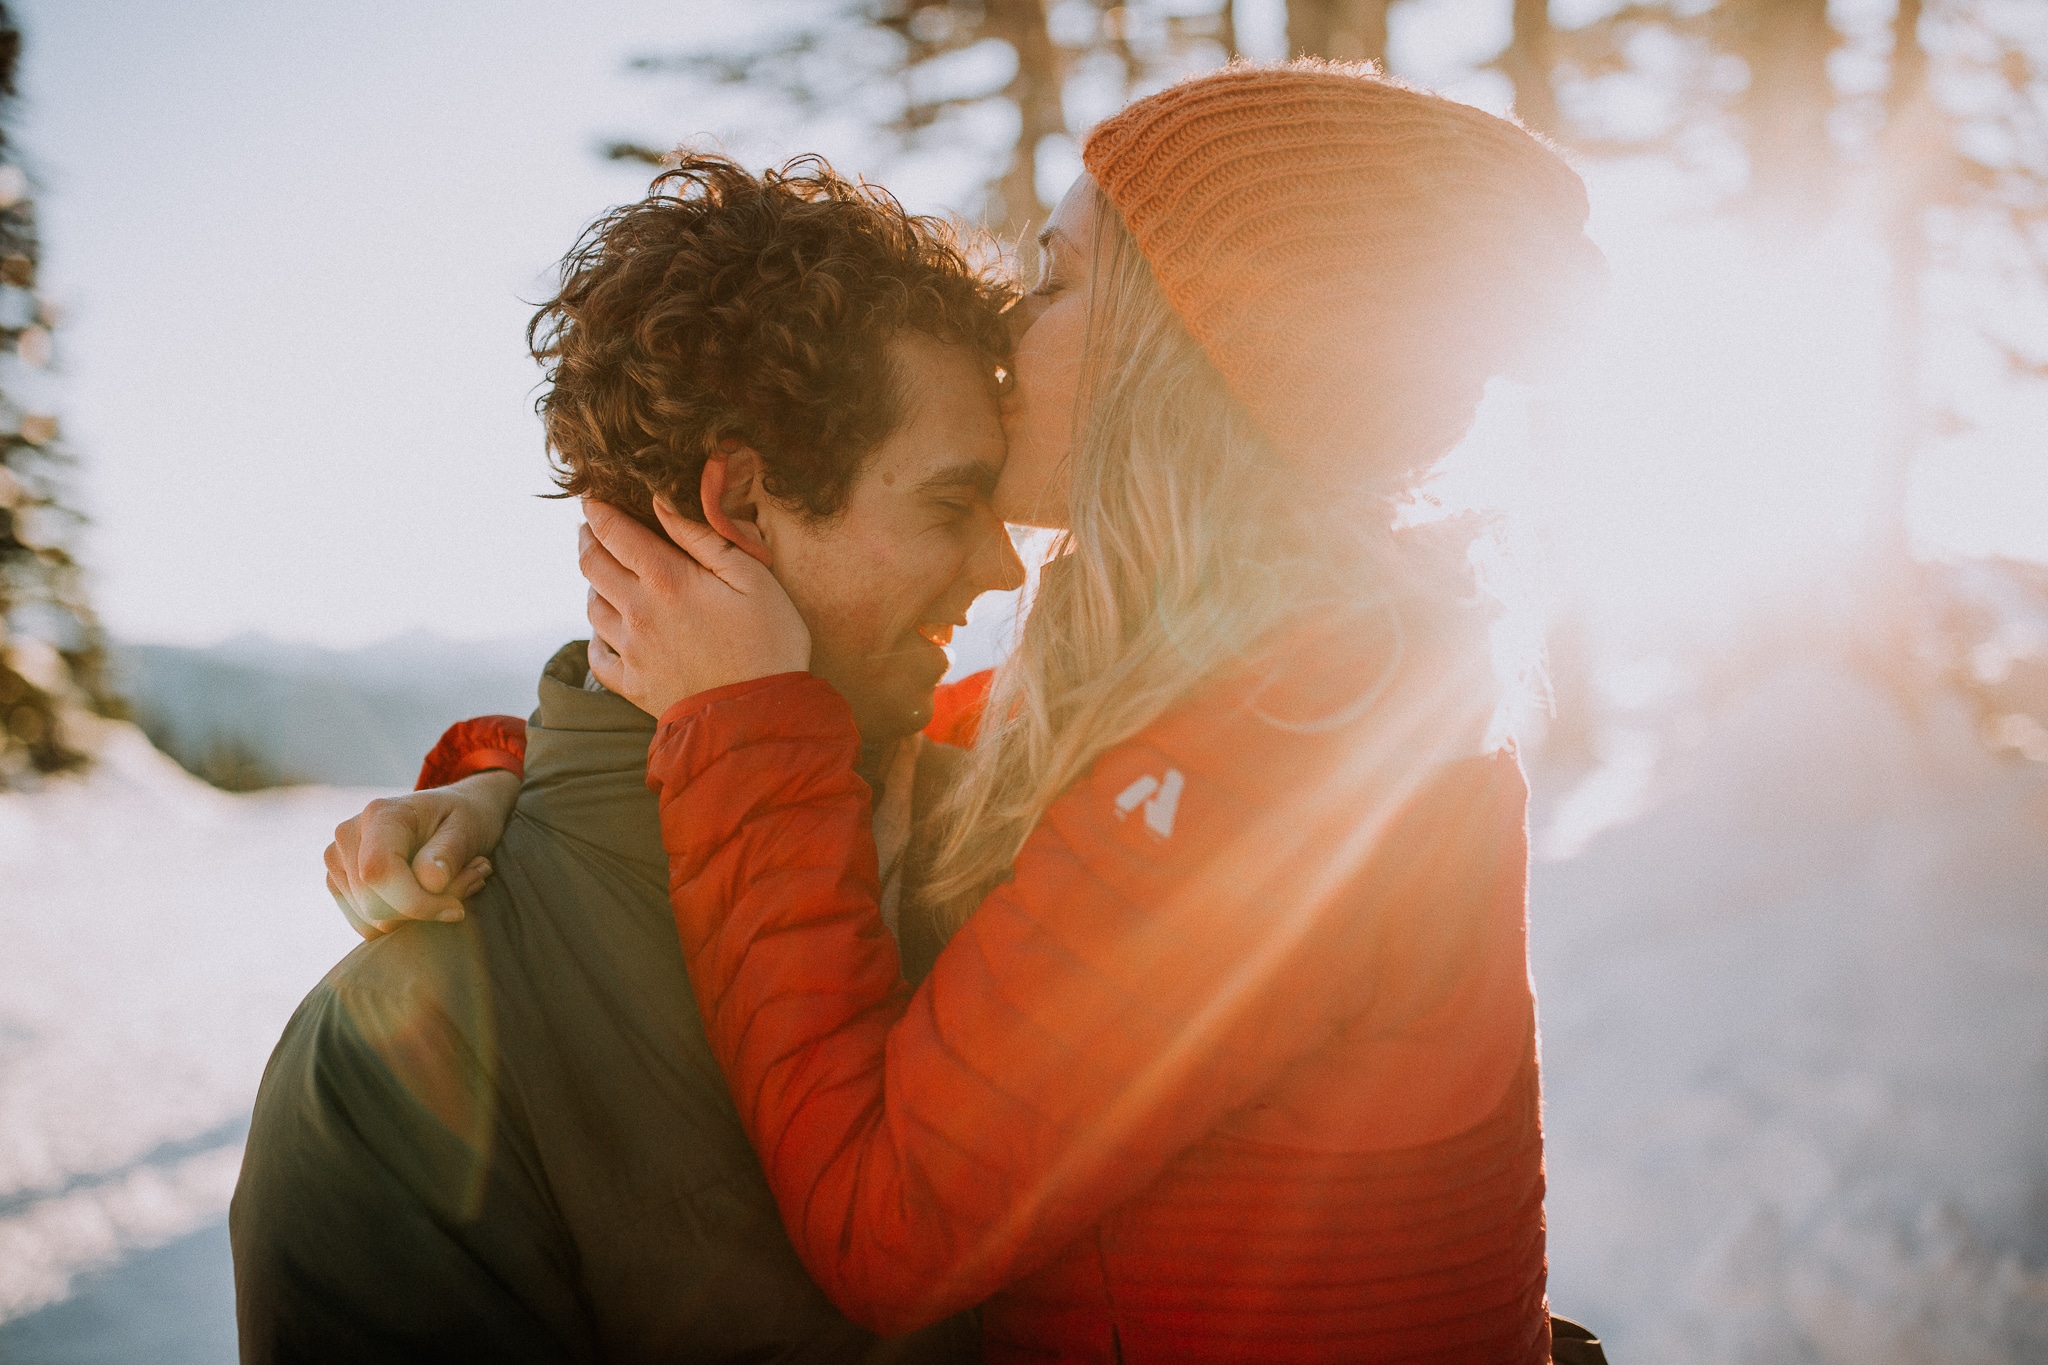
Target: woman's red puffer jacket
[[1239, 1065]]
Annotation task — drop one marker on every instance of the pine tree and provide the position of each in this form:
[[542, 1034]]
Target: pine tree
[[1954, 143], [931, 75], [1007, 78], [1343, 30], [51, 650], [1940, 147]]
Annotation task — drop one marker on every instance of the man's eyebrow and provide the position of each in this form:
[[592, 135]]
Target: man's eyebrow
[[972, 474]]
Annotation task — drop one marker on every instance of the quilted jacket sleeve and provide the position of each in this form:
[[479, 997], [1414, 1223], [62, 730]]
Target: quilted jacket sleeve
[[474, 746], [1164, 950]]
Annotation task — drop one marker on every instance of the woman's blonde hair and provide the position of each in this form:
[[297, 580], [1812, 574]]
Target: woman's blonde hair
[[1190, 543]]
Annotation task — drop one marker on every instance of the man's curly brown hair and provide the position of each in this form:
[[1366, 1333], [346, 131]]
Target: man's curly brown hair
[[728, 307]]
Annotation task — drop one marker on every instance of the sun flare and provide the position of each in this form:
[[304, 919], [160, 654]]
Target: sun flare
[[1718, 436]]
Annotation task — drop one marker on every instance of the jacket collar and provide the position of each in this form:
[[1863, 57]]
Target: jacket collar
[[586, 766]]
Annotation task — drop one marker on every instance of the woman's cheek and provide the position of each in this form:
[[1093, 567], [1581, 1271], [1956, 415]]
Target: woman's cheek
[[1026, 489], [1038, 420]]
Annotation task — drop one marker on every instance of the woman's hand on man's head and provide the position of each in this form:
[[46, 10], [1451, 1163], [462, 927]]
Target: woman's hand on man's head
[[673, 617]]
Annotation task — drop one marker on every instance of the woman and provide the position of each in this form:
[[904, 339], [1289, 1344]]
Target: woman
[[1232, 1052]]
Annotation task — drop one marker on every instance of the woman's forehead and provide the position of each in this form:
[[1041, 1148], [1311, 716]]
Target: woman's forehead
[[1072, 224]]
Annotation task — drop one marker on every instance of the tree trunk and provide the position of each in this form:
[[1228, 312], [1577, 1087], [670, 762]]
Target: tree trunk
[[1036, 91], [1785, 110], [1913, 145], [1530, 61], [1345, 30]]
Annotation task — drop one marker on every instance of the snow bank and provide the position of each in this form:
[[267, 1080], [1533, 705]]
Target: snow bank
[[155, 935], [1795, 1036]]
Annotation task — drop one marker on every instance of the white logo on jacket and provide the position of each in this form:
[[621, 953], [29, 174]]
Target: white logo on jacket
[[1160, 796]]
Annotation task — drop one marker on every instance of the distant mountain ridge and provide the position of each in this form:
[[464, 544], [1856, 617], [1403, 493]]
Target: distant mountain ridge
[[253, 712]]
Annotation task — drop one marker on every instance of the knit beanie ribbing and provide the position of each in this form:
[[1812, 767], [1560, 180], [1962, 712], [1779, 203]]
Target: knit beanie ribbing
[[1356, 257]]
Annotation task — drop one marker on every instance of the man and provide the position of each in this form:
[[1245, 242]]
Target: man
[[505, 1138]]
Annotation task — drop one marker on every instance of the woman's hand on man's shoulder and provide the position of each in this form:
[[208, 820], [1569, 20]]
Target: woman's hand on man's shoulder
[[418, 856]]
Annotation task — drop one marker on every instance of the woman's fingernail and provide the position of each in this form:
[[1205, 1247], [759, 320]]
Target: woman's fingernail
[[450, 916]]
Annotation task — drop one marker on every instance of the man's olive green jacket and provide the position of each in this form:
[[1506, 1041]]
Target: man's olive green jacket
[[506, 1139]]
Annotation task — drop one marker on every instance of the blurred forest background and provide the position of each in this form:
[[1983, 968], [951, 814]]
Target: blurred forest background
[[1782, 530], [1854, 196]]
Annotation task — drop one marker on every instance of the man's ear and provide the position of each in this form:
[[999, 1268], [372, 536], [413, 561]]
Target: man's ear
[[731, 491]]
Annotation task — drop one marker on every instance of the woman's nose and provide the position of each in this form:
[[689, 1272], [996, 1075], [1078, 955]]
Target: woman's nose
[[999, 566], [1022, 314]]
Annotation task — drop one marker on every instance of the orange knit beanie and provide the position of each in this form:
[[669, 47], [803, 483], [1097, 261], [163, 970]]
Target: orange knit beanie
[[1356, 257]]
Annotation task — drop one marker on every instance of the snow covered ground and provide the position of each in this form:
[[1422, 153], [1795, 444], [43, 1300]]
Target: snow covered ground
[[1795, 1028], [1795, 1042], [155, 935]]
